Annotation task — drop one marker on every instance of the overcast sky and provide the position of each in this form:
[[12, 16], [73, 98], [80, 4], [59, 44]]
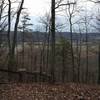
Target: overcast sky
[[37, 7]]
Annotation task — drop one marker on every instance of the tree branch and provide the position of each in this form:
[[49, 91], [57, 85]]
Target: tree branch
[[65, 4]]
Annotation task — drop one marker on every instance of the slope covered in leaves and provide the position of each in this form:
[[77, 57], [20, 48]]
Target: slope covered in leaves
[[49, 92]]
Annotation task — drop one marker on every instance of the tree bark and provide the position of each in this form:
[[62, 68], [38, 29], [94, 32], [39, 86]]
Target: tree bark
[[15, 28], [53, 40], [99, 64]]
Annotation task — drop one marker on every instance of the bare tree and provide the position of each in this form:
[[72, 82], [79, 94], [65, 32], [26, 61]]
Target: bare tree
[[25, 28], [3, 15], [86, 27], [56, 5], [1, 19], [61, 3], [3, 26], [9, 29], [99, 64], [95, 1], [86, 20], [97, 27], [45, 21], [15, 28], [53, 39], [79, 51], [70, 13]]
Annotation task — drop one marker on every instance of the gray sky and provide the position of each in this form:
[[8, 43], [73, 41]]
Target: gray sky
[[37, 7]]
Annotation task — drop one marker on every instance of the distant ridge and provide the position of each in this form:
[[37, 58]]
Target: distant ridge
[[41, 36]]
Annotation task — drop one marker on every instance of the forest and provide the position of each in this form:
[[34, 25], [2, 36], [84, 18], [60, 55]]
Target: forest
[[57, 58]]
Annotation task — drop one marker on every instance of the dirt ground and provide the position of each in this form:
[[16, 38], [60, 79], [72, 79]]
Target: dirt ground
[[44, 91]]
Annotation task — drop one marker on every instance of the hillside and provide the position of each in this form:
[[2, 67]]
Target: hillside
[[40, 36]]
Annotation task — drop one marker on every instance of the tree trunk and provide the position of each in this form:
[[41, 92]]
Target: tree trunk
[[99, 64], [72, 53], [63, 64], [53, 40], [15, 29], [79, 58], [87, 69]]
